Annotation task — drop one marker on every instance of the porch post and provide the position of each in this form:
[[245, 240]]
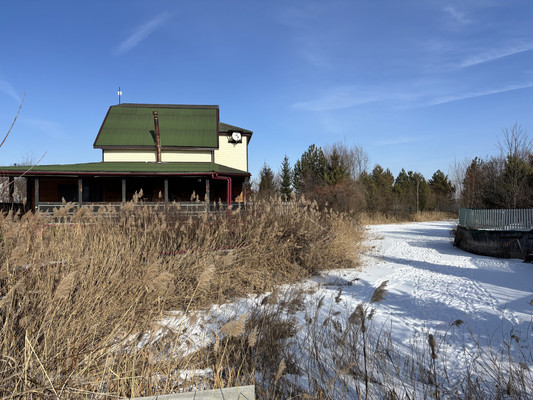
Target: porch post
[[208, 193], [123, 190], [11, 188], [80, 190], [166, 190], [27, 205], [36, 182]]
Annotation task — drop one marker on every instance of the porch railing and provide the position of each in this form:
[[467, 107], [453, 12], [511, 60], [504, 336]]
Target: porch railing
[[181, 207], [500, 220]]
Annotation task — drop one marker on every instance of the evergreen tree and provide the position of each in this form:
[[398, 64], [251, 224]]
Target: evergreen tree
[[442, 191], [378, 186], [267, 185], [309, 171], [411, 191], [285, 188], [336, 170], [471, 195]]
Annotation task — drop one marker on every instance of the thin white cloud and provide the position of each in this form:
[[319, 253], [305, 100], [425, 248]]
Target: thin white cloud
[[457, 15], [495, 54], [141, 33], [397, 140], [311, 52], [337, 98], [470, 95], [49, 128], [8, 89]]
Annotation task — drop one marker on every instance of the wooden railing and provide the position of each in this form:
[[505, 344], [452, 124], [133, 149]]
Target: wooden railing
[[181, 207]]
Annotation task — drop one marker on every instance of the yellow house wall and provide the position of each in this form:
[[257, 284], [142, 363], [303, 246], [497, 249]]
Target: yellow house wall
[[149, 156], [234, 155], [186, 156], [131, 156]]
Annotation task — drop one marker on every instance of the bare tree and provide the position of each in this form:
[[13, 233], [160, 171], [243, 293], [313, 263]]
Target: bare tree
[[515, 143], [457, 174], [5, 183], [354, 158], [15, 190], [14, 120], [515, 152]]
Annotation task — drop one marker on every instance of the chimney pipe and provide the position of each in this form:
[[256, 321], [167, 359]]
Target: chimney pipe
[[157, 139]]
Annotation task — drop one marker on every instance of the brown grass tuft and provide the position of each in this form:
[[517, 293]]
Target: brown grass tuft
[[380, 292]]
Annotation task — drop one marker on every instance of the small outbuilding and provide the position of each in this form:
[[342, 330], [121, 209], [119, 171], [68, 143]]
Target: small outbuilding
[[504, 233]]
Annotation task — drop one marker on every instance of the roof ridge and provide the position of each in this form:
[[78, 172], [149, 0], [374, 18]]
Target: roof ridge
[[147, 105]]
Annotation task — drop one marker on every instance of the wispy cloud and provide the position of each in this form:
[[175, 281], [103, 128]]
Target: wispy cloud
[[141, 33], [457, 15], [337, 98], [8, 89], [495, 54], [398, 140], [312, 52], [409, 95], [49, 128], [480, 93]]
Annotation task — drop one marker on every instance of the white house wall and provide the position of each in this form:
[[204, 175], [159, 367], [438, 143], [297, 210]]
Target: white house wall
[[234, 155]]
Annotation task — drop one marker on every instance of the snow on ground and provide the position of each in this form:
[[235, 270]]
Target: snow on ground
[[432, 283], [430, 286]]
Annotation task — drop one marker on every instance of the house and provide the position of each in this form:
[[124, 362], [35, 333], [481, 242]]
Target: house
[[171, 152]]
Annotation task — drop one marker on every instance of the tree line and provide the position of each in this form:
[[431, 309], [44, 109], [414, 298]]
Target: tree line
[[338, 176], [504, 180]]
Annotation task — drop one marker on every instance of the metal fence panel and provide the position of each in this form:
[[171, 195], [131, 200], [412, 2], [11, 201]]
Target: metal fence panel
[[501, 220]]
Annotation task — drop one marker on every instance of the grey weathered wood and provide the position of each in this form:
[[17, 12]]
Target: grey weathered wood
[[235, 393], [36, 182]]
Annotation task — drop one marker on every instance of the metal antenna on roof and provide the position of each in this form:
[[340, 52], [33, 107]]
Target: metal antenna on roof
[[119, 94]]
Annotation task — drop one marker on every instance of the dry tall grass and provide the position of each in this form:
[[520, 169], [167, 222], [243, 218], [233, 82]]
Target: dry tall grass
[[79, 293], [83, 305], [394, 218]]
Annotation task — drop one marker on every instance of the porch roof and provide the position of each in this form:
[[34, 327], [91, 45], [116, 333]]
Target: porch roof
[[123, 168]]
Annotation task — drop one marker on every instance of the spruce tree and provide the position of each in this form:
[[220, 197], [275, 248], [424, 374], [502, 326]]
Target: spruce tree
[[267, 186], [310, 170], [285, 188]]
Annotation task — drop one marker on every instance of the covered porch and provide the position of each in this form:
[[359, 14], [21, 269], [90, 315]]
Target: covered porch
[[109, 184]]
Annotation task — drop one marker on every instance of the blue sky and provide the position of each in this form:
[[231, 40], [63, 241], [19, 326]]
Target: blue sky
[[416, 84]]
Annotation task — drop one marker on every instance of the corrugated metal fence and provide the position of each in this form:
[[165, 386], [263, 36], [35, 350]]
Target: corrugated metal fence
[[500, 220]]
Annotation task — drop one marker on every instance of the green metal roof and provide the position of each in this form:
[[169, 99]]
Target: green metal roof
[[132, 125], [123, 168]]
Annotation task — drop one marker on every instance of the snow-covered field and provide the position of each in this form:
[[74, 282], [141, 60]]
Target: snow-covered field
[[432, 284], [479, 309]]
